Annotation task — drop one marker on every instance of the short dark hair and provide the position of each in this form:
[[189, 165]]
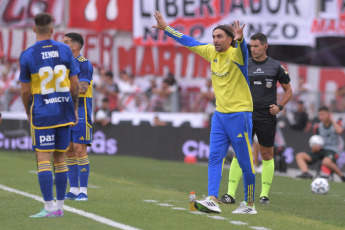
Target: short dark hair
[[227, 29], [106, 100], [261, 37], [109, 74], [75, 37], [323, 108], [43, 21]]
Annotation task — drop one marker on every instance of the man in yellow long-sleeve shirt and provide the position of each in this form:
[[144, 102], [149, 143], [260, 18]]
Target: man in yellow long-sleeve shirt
[[232, 120]]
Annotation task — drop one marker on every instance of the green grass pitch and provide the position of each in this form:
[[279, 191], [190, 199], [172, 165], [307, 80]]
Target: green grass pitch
[[121, 186]]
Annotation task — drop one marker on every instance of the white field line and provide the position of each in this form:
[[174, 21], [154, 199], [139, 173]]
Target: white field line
[[209, 216], [89, 215]]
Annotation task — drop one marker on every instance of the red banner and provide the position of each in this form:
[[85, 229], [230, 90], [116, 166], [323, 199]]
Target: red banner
[[101, 15], [19, 13]]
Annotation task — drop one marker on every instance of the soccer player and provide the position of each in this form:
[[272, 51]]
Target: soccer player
[[77, 159], [232, 120], [264, 73], [49, 90], [329, 130]]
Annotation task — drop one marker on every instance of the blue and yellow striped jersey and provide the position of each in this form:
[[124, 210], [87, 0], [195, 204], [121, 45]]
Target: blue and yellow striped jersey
[[47, 65], [229, 72], [85, 100]]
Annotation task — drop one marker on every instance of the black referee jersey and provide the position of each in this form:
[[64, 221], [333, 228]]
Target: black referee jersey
[[263, 77]]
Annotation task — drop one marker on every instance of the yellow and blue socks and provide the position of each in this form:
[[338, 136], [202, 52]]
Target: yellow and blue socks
[[84, 170], [45, 180], [60, 180], [73, 175], [235, 174], [266, 176]]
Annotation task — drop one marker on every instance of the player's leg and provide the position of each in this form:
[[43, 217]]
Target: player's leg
[[329, 163], [43, 142], [82, 136], [265, 131], [73, 175], [219, 144], [45, 179], [303, 159], [235, 174], [62, 142], [83, 169], [240, 134], [267, 172], [60, 178]]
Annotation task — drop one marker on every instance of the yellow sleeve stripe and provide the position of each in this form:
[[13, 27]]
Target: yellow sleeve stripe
[[173, 32]]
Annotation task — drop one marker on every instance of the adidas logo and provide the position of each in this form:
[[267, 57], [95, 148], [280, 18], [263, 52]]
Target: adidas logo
[[83, 170], [81, 139], [239, 135], [210, 203]]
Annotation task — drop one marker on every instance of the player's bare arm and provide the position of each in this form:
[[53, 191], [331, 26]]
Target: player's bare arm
[[75, 94], [238, 30], [336, 125], [161, 24], [274, 109], [83, 86], [25, 93]]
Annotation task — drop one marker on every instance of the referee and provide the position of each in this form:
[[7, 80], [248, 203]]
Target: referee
[[264, 74]]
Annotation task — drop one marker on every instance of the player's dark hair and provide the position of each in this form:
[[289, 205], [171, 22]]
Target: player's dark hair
[[75, 37], [43, 21], [227, 29], [261, 37], [323, 108], [105, 100]]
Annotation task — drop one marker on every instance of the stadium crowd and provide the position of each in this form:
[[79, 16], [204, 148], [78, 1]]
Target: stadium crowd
[[124, 92]]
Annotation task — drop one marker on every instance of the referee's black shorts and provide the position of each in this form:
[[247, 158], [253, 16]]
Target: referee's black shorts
[[264, 126]]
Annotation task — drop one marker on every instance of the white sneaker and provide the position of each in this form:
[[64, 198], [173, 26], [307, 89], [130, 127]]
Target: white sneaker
[[244, 209], [207, 205], [258, 169]]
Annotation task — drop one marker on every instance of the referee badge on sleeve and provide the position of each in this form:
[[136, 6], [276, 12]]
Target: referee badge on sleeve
[[268, 84]]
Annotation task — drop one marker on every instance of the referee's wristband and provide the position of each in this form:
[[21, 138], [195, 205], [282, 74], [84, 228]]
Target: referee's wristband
[[280, 107]]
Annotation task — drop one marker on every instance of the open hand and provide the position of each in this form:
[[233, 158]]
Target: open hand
[[161, 24], [238, 30]]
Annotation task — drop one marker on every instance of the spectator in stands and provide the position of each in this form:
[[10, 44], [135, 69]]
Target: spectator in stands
[[329, 130], [0, 118], [98, 80], [161, 97], [110, 90], [103, 115], [158, 122], [15, 102], [5, 82], [136, 102], [300, 121], [206, 100]]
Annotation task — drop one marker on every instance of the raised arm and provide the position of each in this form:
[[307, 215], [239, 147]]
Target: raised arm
[[202, 49], [238, 31]]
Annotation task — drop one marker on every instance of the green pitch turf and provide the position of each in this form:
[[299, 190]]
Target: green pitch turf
[[122, 186]]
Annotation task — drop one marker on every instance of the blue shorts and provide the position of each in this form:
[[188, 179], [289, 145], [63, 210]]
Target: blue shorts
[[50, 140], [81, 134], [235, 129]]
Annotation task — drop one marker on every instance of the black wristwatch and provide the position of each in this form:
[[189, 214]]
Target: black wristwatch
[[280, 107]]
